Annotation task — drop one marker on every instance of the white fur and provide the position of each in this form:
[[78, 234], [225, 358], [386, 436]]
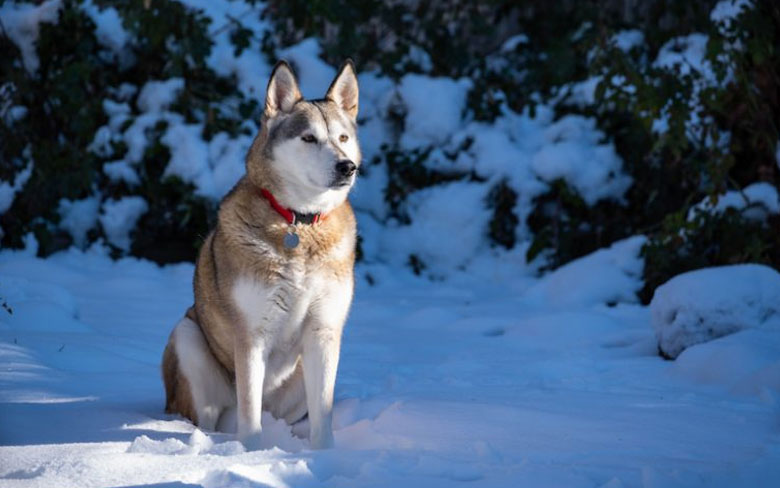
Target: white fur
[[210, 388], [321, 348], [251, 296], [302, 315], [343, 248], [306, 171]]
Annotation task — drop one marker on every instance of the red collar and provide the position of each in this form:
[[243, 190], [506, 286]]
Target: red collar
[[291, 216]]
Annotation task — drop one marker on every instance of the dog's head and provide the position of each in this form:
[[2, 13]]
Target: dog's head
[[310, 152]]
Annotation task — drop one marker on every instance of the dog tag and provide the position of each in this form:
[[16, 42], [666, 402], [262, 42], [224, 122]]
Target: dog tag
[[291, 240]]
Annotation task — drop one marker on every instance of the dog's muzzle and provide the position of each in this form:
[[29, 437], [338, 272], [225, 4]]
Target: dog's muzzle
[[345, 169]]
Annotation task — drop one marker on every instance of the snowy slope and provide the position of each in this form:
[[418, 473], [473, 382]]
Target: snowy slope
[[440, 383]]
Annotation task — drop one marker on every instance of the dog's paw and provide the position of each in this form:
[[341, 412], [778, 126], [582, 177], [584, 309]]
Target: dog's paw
[[322, 441], [252, 442]]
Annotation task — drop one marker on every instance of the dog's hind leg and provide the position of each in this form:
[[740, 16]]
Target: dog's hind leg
[[196, 385], [288, 401]]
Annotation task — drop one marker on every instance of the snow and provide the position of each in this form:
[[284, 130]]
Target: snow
[[607, 276], [756, 200], [628, 39], [440, 383], [686, 54], [8, 190], [118, 219], [250, 67], [121, 171], [746, 362], [156, 96], [435, 220], [14, 113], [226, 160], [705, 304], [434, 108], [78, 217], [314, 75], [189, 156], [582, 93], [514, 41], [573, 153], [528, 152], [482, 371], [726, 11], [21, 23], [419, 57], [109, 30]]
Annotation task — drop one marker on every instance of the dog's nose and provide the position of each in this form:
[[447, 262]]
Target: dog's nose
[[346, 168]]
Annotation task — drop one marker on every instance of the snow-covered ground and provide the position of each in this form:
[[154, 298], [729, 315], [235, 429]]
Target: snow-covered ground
[[488, 382], [480, 372]]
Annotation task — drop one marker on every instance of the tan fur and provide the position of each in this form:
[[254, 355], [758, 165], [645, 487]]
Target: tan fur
[[178, 398], [231, 250], [247, 244]]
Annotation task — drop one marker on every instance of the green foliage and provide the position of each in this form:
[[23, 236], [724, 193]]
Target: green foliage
[[407, 173], [63, 112], [503, 224], [565, 226], [685, 244], [720, 134], [685, 136], [65, 109]]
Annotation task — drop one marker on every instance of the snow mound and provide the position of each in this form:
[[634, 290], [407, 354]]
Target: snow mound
[[747, 362], [38, 306], [438, 213], [608, 275], [198, 443], [78, 217], [705, 304], [573, 152], [279, 474], [433, 108], [119, 217]]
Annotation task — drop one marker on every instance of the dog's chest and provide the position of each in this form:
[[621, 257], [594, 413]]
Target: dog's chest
[[277, 310]]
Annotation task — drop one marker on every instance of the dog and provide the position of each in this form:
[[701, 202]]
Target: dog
[[274, 279]]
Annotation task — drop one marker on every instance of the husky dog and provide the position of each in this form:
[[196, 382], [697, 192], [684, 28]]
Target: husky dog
[[274, 280]]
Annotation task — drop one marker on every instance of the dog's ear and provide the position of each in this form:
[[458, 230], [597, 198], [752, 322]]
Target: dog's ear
[[282, 91], [344, 89]]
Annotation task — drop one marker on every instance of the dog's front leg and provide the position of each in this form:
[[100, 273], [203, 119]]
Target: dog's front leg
[[250, 354], [320, 362]]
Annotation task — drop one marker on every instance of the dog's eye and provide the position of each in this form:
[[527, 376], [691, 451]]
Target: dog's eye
[[343, 138], [309, 138]]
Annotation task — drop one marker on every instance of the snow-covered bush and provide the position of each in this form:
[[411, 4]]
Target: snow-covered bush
[[702, 305], [123, 121], [540, 131], [700, 117]]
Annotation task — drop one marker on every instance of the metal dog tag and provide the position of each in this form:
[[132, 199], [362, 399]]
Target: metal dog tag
[[291, 240]]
